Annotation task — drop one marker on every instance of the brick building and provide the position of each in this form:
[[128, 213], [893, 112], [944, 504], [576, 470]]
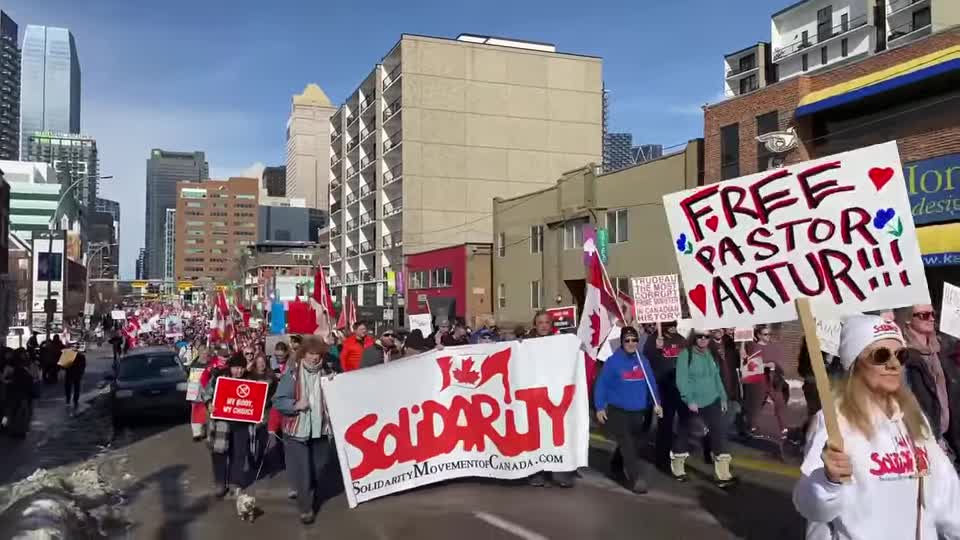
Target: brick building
[[215, 221], [462, 272], [910, 94]]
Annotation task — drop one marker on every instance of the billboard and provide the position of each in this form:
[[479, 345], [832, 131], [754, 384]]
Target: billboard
[[48, 268]]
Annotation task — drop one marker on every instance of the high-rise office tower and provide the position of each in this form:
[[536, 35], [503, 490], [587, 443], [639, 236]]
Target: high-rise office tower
[[74, 157], [308, 147], [275, 181], [9, 89], [164, 170], [49, 83]]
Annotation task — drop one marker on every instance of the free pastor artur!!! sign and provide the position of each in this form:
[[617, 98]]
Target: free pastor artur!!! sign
[[836, 229]]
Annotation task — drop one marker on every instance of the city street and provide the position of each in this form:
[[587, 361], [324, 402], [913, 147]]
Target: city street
[[165, 480]]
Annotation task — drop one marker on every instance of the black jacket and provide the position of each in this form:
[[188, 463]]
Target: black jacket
[[924, 387], [951, 371]]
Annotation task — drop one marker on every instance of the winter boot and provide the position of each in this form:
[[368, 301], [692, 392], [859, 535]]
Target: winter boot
[[721, 468], [677, 469]]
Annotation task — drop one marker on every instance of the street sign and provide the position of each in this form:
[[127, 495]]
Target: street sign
[[239, 400]]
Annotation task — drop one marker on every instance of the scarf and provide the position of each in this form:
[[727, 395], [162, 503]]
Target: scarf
[[929, 349]]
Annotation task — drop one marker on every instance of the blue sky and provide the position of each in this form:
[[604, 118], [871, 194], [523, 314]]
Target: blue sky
[[217, 75]]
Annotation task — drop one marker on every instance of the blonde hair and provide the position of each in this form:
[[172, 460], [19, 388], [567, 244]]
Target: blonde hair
[[854, 403]]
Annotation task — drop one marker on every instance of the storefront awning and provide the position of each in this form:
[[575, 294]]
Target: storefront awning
[[910, 72], [940, 244]]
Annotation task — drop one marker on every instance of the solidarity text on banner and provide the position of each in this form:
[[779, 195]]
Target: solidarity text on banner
[[657, 298], [837, 230], [496, 410]]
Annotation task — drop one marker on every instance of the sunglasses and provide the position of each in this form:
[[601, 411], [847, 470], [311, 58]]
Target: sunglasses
[[881, 357], [631, 340], [388, 334], [924, 315], [701, 336]]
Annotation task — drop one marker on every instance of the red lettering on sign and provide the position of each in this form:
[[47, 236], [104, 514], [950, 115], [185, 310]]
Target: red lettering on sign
[[812, 192]]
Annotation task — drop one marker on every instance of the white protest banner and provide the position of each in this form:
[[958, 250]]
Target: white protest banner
[[422, 322], [685, 326], [657, 298], [496, 410], [118, 315], [950, 310], [743, 334], [828, 330], [837, 230]]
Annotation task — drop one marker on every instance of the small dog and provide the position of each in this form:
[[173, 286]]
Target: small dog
[[246, 507]]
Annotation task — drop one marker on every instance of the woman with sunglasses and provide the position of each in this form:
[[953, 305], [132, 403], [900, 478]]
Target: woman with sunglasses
[[924, 372], [888, 478], [702, 392]]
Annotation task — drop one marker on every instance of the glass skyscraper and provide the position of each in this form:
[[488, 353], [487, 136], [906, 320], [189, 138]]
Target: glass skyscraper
[[49, 83]]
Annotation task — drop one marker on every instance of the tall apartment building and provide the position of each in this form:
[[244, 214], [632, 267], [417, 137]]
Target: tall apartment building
[[811, 35], [617, 151], [436, 130], [49, 83], [164, 170], [308, 147], [275, 181], [140, 270], [74, 157], [113, 208], [169, 243], [215, 221], [9, 88]]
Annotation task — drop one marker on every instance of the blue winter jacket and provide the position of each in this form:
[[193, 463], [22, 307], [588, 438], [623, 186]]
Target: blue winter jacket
[[623, 383]]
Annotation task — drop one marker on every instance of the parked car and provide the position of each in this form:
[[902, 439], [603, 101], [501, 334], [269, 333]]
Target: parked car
[[149, 381]]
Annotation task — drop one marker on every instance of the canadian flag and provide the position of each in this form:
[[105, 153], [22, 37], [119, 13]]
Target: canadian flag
[[752, 369], [322, 303], [348, 315], [221, 328], [600, 309]]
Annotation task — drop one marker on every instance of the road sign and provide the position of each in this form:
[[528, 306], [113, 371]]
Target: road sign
[[239, 400]]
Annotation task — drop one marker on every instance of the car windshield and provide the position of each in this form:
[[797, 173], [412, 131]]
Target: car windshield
[[146, 366]]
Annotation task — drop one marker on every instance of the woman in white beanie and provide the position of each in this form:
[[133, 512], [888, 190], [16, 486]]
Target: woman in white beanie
[[890, 479]]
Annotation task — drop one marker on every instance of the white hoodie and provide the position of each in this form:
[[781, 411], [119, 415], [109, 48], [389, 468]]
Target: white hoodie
[[881, 500]]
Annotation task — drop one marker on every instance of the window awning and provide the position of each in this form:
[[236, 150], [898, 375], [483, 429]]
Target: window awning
[[940, 244], [899, 75]]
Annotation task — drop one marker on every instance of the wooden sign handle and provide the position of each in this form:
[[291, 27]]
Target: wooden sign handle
[[820, 373]]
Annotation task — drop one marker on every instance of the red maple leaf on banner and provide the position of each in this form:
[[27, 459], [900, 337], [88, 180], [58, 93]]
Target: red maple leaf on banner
[[595, 328], [465, 374]]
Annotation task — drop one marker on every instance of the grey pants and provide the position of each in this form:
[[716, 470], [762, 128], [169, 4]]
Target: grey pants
[[306, 462]]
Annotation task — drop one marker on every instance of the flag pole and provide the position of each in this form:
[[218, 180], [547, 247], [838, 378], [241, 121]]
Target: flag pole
[[646, 378]]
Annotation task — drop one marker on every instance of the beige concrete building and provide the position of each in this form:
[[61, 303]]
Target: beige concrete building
[[308, 147], [538, 237], [439, 128]]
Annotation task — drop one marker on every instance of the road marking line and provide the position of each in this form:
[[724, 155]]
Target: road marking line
[[509, 526]]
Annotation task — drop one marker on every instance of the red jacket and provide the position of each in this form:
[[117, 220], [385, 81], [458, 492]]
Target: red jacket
[[352, 350]]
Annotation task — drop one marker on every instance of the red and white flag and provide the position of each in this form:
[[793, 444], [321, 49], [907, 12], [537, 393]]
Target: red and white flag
[[221, 328], [348, 314], [627, 307], [600, 309], [322, 303]]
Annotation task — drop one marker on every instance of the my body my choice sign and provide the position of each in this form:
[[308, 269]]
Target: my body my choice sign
[[239, 400], [496, 410], [836, 229]]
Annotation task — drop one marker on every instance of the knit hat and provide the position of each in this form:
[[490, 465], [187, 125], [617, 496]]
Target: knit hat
[[861, 331], [628, 331]]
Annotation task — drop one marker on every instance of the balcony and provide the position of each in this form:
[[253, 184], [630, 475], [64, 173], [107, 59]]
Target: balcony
[[365, 191], [393, 141], [353, 144], [335, 258], [335, 134], [351, 225], [366, 161], [353, 277], [392, 77], [912, 28], [367, 103], [802, 44], [334, 160], [352, 198], [393, 174], [351, 171], [366, 247], [392, 208], [366, 276], [391, 242], [335, 207], [351, 118], [335, 281], [366, 132], [392, 109], [896, 6], [334, 185], [742, 69], [366, 219], [352, 252]]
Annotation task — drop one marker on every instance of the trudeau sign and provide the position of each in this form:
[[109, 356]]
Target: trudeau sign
[[657, 298], [496, 410], [239, 400], [837, 230]]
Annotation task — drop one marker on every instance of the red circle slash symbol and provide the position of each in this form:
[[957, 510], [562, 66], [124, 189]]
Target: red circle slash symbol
[[243, 390]]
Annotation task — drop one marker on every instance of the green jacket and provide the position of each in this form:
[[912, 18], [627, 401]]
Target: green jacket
[[698, 378]]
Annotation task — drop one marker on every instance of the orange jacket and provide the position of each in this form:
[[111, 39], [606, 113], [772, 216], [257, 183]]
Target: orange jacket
[[352, 350]]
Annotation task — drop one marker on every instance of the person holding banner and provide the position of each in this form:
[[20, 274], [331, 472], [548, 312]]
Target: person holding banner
[[624, 394], [308, 445], [703, 394], [232, 444], [883, 475]]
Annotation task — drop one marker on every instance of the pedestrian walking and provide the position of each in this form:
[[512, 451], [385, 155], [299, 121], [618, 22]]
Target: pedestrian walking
[[353, 346], [889, 478], [72, 377], [766, 381], [624, 395], [308, 439], [662, 351], [384, 350], [703, 394], [232, 444], [924, 370]]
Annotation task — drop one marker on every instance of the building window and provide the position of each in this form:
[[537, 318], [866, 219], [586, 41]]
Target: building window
[[535, 294], [502, 245], [921, 18], [824, 23], [748, 62], [844, 22], [195, 205], [573, 235], [195, 233], [194, 224], [766, 123], [823, 55], [749, 84], [622, 285], [805, 39], [730, 151], [246, 197], [419, 280], [804, 63], [536, 239], [844, 51], [502, 295], [617, 226], [441, 277], [191, 193]]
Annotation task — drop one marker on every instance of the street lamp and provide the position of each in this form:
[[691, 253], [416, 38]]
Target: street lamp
[[52, 226]]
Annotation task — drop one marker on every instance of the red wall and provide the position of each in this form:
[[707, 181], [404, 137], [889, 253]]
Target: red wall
[[454, 258]]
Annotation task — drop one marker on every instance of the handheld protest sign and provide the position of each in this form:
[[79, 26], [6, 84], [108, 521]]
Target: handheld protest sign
[[820, 372], [239, 400]]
